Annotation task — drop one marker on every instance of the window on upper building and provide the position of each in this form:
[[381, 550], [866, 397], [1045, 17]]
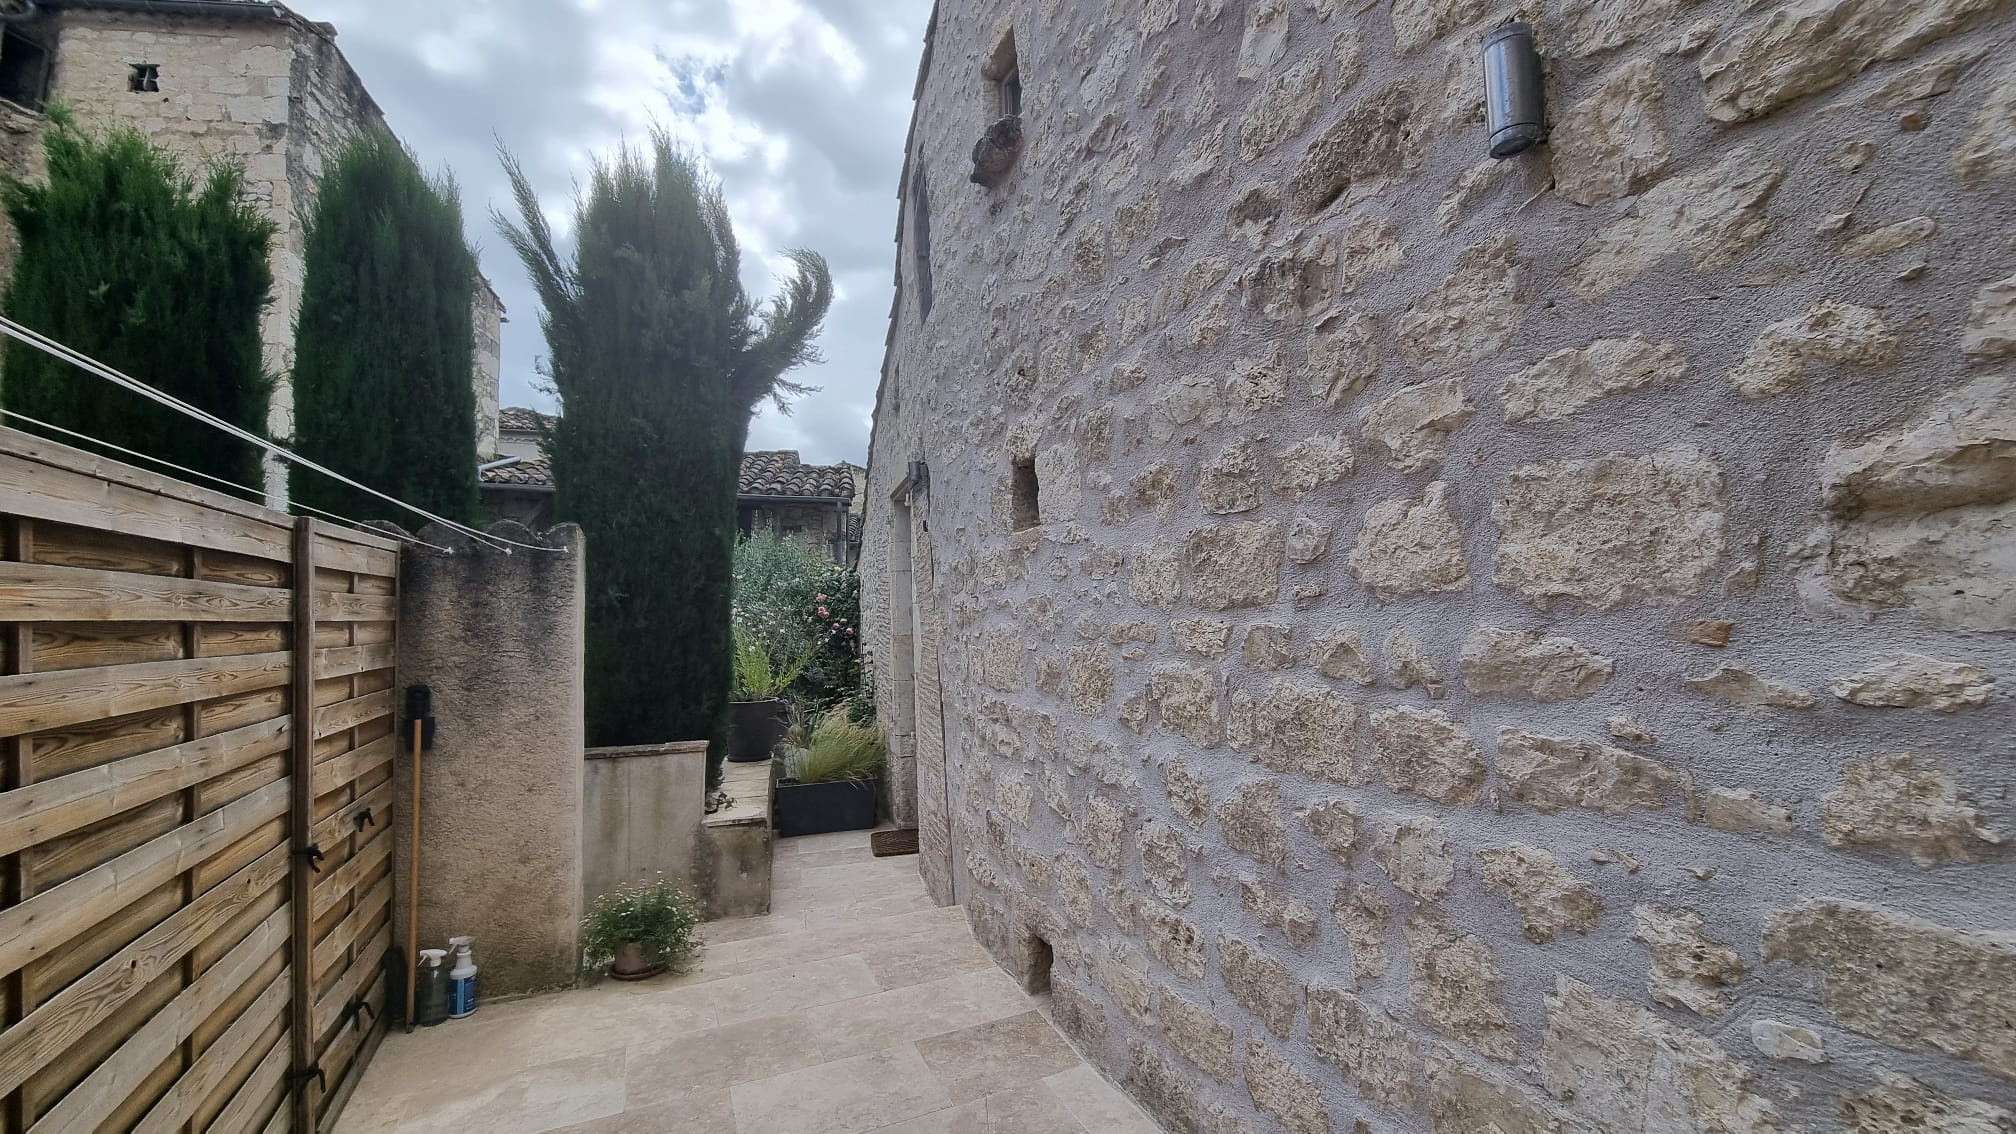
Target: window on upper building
[[145, 78], [24, 70]]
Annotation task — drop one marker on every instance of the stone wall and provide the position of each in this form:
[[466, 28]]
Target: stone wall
[[487, 316], [1437, 643], [499, 639]]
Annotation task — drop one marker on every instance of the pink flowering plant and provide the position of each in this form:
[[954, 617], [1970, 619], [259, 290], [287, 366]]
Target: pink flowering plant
[[795, 603]]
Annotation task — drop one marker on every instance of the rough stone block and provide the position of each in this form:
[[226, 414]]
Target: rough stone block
[[1714, 217], [1362, 912], [1611, 531], [1414, 852], [1261, 984], [1282, 1092], [1410, 547], [1529, 665], [1614, 142], [1375, 1053], [1174, 942], [1251, 821], [1905, 801], [1201, 1037], [1832, 331], [1165, 862], [1908, 982], [1809, 46], [1900, 679], [1186, 698], [1235, 565], [1456, 979], [1548, 897], [1549, 773], [1307, 729], [1414, 424], [1619, 1067], [1689, 969], [1555, 387], [1471, 315], [1426, 753]]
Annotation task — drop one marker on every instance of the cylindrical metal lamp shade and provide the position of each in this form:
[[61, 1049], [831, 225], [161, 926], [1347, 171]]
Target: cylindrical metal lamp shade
[[1514, 99]]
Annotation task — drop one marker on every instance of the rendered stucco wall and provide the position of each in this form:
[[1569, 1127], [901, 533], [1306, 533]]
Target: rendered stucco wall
[[499, 639], [1506, 645]]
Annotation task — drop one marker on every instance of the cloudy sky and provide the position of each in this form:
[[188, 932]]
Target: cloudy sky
[[800, 106]]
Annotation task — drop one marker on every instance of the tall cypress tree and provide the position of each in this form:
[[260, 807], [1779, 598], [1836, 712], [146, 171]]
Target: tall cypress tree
[[383, 349], [128, 259], [659, 358]]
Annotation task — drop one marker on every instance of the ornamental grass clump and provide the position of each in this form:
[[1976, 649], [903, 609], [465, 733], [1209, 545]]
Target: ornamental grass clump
[[658, 916], [838, 749]]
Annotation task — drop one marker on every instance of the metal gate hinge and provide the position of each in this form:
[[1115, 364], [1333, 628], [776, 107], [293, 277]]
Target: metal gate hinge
[[299, 1079], [313, 853]]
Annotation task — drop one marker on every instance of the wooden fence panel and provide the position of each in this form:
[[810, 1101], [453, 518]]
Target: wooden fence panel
[[195, 694]]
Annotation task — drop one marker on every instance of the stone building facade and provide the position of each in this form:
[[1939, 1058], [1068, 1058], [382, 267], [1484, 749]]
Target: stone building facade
[[253, 83], [1398, 640]]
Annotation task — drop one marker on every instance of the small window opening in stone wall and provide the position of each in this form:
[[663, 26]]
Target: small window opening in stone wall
[[24, 70], [1023, 490], [1001, 142], [1003, 72], [920, 239], [144, 79], [1041, 961]]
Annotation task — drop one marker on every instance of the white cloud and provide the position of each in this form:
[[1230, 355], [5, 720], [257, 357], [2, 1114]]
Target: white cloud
[[750, 84]]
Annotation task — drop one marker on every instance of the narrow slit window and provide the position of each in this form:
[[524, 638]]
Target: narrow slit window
[[145, 78], [1027, 512], [1003, 74]]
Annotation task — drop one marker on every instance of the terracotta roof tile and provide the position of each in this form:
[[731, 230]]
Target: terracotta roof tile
[[778, 472], [774, 472], [518, 419], [532, 472]]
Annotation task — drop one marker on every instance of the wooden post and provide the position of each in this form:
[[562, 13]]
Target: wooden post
[[15, 884], [413, 879], [301, 823]]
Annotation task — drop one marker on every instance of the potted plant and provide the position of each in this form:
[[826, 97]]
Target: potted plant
[[758, 711], [832, 783], [639, 930]]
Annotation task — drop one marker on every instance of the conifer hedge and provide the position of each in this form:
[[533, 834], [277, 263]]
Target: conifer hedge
[[659, 357], [383, 348], [129, 259]]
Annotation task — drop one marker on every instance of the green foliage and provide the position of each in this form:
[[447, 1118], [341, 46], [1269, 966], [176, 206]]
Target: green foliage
[[656, 915], [126, 258], [838, 749], [795, 601], [658, 357], [759, 675], [383, 346]]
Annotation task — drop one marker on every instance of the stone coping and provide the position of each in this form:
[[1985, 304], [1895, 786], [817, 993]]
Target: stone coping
[[749, 785], [673, 748]]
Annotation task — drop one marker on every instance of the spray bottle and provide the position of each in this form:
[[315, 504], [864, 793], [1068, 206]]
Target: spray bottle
[[433, 991], [462, 978]]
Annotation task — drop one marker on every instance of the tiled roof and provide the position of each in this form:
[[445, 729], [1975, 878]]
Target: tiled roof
[[530, 472], [518, 419], [778, 472]]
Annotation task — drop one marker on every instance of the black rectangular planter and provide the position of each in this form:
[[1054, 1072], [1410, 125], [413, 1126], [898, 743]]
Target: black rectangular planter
[[815, 809]]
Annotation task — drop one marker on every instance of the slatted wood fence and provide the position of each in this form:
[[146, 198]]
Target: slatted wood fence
[[196, 692]]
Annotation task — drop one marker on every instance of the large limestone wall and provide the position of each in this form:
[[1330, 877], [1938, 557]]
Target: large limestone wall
[[1507, 645]]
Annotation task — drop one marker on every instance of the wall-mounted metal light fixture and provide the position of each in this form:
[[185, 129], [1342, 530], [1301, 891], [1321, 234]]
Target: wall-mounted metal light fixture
[[1514, 95]]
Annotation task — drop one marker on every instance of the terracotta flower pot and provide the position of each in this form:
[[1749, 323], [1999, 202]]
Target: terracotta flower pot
[[633, 963]]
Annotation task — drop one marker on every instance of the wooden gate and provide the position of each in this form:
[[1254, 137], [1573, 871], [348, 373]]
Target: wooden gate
[[197, 692]]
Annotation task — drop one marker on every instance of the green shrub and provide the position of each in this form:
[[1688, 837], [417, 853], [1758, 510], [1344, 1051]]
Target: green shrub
[[795, 601], [656, 915], [383, 347], [659, 357], [838, 749], [758, 675], [126, 258]]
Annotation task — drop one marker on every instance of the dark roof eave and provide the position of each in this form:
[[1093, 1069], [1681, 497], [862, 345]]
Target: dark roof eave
[[772, 498], [228, 9]]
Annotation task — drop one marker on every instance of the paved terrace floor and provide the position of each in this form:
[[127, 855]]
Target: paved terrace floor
[[855, 1006]]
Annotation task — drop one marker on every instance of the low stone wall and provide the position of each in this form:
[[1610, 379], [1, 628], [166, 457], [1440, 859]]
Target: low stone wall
[[499, 639], [641, 812]]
